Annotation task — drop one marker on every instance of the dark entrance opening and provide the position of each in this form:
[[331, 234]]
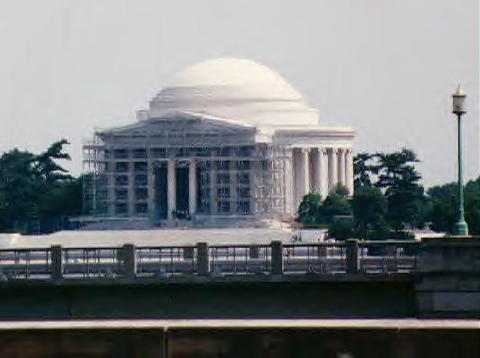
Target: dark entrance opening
[[161, 206], [182, 191], [198, 174]]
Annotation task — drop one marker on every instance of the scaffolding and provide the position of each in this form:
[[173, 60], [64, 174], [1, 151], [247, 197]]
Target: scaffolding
[[237, 176]]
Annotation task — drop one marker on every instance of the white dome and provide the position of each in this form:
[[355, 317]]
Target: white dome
[[234, 89]]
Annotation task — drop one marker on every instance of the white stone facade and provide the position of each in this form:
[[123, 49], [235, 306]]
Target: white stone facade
[[229, 140]]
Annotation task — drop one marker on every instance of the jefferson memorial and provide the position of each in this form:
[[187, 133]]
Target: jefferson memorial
[[226, 142]]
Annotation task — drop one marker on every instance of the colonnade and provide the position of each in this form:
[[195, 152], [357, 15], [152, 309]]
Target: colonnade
[[319, 170]]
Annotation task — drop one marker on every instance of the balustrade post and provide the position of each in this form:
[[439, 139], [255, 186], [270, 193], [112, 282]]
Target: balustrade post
[[203, 259], [277, 257], [188, 253], [392, 265], [56, 262], [254, 252], [129, 261], [322, 254], [353, 262]]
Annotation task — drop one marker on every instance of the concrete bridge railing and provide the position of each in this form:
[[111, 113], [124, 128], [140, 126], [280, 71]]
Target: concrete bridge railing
[[131, 262]]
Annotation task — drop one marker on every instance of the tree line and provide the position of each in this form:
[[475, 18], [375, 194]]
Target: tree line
[[37, 195], [389, 201]]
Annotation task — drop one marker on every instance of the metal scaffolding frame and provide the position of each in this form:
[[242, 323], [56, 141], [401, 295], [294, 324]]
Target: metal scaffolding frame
[[237, 174]]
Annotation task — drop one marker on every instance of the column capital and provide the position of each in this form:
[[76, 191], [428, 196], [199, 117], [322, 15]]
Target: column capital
[[333, 150]]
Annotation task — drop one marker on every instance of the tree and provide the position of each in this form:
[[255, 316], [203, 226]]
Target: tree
[[472, 206], [308, 211], [35, 188], [443, 201], [341, 230], [443, 206], [369, 210], [334, 204], [399, 179], [362, 169], [19, 187], [46, 165]]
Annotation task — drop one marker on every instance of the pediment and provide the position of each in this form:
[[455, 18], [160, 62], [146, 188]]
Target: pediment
[[185, 127]]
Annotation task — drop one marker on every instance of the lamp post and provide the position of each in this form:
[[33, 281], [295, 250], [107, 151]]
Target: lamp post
[[460, 227]]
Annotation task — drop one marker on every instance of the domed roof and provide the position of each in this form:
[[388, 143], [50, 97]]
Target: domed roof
[[234, 89]]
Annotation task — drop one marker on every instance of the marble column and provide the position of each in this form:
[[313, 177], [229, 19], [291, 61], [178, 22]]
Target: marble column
[[303, 173], [171, 188], [349, 171], [332, 168], [322, 153], [341, 166], [316, 175], [192, 187], [289, 184], [295, 178]]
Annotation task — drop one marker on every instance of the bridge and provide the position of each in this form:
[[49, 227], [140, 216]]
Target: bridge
[[368, 279]]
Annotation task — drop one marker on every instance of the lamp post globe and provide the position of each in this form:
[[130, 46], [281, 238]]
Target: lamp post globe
[[458, 102]]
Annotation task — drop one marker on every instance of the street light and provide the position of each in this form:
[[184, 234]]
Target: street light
[[460, 227]]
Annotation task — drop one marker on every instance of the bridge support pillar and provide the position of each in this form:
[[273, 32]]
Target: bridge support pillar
[[353, 262], [203, 260], [277, 258], [129, 261], [57, 263], [447, 278]]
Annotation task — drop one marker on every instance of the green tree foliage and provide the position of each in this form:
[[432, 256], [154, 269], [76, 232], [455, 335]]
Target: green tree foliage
[[369, 210], [313, 211], [46, 166], [309, 209], [35, 188], [335, 204], [19, 187], [395, 174], [399, 179], [443, 212], [341, 230], [331, 211], [362, 169], [472, 206]]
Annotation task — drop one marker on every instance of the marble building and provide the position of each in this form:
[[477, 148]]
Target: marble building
[[226, 141]]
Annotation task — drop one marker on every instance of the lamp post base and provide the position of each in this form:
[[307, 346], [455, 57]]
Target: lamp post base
[[460, 228]]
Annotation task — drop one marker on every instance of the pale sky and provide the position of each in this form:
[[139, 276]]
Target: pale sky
[[385, 67]]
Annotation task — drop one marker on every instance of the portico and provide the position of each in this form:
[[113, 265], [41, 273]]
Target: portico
[[313, 175]]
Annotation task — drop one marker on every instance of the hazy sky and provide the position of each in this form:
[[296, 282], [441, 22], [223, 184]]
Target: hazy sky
[[385, 67]]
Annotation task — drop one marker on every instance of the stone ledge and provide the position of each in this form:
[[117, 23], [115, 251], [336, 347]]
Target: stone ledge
[[205, 280]]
